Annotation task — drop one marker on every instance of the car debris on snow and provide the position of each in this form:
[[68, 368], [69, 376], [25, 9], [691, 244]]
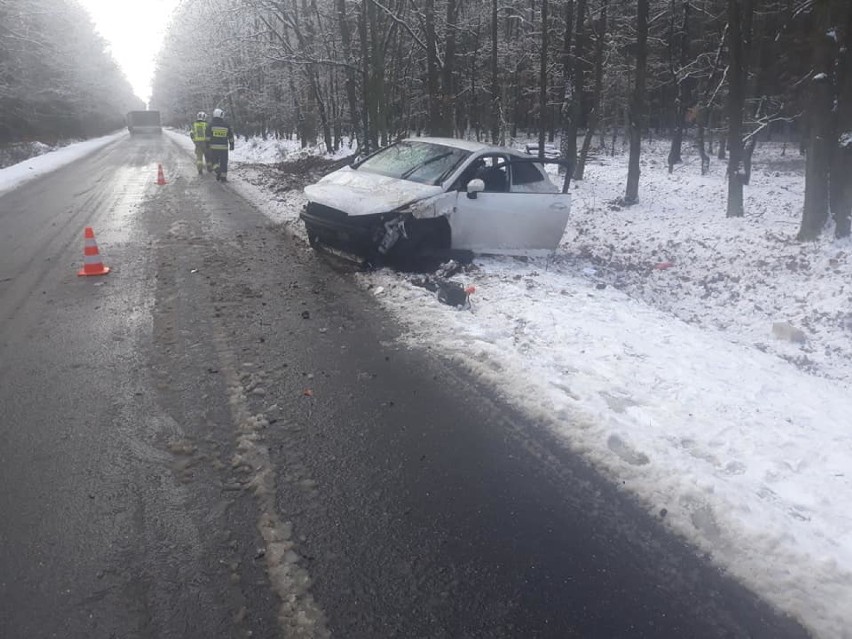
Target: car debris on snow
[[448, 269], [447, 292]]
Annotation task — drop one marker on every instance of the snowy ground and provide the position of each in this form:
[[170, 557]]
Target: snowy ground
[[13, 176], [671, 380], [271, 150]]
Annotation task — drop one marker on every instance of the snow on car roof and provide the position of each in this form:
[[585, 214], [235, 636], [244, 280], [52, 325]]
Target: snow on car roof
[[466, 145]]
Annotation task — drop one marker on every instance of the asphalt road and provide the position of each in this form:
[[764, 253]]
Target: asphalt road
[[221, 438]]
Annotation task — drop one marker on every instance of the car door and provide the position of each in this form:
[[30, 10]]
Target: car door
[[518, 214]]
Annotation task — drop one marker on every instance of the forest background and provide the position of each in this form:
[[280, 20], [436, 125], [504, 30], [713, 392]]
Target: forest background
[[721, 76]]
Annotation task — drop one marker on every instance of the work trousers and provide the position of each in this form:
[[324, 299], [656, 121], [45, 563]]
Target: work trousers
[[202, 156], [220, 161]]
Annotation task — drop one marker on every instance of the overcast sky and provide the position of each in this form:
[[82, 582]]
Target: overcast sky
[[134, 32]]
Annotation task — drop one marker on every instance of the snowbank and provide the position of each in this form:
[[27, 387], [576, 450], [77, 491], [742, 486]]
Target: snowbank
[[269, 151], [14, 176]]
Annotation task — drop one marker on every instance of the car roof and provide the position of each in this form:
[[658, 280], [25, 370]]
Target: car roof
[[466, 145]]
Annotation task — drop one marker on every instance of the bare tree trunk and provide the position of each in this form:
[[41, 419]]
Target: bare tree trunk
[[705, 109], [701, 119], [738, 18], [578, 62], [637, 105], [316, 83], [594, 115], [351, 83], [572, 101], [448, 71], [748, 153], [710, 132], [435, 124], [568, 145], [841, 166], [542, 97], [683, 88], [516, 99], [820, 118], [370, 139], [495, 86], [378, 101], [474, 106]]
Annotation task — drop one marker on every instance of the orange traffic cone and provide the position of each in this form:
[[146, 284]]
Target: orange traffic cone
[[92, 264], [161, 178]]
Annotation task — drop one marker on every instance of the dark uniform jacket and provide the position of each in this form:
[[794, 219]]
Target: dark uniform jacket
[[221, 136]]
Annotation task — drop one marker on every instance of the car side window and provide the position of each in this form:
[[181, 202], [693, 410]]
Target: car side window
[[528, 177], [525, 173], [467, 175], [495, 173]]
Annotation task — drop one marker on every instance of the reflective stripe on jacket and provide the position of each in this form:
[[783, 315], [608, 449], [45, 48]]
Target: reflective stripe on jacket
[[199, 131], [221, 135]]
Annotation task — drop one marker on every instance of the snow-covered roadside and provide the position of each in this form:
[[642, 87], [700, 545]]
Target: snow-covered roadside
[[736, 276], [271, 150], [740, 451], [14, 176], [745, 454]]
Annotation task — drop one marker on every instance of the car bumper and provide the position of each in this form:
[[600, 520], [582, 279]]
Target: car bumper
[[354, 234]]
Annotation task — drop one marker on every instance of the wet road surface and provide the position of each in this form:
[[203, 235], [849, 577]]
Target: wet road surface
[[221, 438]]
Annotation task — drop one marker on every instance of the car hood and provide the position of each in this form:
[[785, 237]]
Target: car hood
[[362, 193]]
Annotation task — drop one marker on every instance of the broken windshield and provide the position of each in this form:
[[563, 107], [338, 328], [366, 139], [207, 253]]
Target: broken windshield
[[421, 162]]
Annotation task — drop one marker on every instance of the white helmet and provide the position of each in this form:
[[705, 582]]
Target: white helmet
[[201, 116], [218, 113]]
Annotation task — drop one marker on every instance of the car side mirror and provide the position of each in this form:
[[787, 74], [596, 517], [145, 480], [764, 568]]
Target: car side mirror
[[474, 187]]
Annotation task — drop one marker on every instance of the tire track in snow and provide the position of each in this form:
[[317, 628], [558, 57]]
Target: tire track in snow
[[299, 615]]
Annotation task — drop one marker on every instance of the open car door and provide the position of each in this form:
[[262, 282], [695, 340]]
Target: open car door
[[519, 212]]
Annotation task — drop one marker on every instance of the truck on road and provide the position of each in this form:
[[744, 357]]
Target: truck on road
[[144, 122]]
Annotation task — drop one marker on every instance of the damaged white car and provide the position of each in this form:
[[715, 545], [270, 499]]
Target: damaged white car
[[437, 196]]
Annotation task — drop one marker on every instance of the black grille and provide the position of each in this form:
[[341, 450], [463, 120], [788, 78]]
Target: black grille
[[324, 212]]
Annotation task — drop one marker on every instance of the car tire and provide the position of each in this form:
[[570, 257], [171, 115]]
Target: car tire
[[421, 251], [313, 238]]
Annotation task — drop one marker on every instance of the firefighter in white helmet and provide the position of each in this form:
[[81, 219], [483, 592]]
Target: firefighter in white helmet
[[221, 140], [201, 137]]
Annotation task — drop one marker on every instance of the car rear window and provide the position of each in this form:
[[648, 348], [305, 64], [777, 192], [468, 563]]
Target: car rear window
[[527, 177], [421, 162], [525, 173]]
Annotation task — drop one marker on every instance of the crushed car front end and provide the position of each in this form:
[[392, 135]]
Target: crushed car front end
[[356, 234], [366, 209]]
